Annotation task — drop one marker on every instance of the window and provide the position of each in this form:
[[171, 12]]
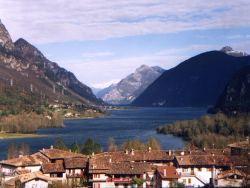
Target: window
[[199, 169], [184, 170], [189, 180]]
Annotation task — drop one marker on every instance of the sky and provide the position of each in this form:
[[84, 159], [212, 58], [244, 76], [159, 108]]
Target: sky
[[103, 41]]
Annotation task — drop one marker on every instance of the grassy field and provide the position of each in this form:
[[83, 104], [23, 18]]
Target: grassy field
[[17, 135]]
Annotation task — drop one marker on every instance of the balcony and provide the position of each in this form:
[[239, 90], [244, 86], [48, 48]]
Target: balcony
[[119, 180]]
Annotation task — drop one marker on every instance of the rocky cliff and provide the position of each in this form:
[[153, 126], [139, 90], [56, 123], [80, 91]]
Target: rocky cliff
[[23, 66], [130, 87]]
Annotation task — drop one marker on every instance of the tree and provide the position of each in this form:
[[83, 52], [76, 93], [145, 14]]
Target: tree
[[75, 147], [137, 181], [112, 145], [133, 144], [59, 144], [90, 147], [24, 149], [12, 151], [154, 144]]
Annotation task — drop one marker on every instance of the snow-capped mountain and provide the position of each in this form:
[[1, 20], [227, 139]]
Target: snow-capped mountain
[[130, 87], [230, 51]]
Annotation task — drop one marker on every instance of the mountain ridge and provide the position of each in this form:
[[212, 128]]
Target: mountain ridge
[[125, 91], [197, 81], [27, 68]]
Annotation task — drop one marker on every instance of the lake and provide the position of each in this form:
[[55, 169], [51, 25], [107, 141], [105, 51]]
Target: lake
[[134, 123]]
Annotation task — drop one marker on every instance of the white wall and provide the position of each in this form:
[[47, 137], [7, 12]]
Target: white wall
[[230, 183], [194, 181], [35, 184], [31, 168], [204, 174]]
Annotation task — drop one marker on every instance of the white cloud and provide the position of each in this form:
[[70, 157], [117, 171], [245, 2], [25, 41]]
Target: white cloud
[[105, 84], [47, 21], [96, 54]]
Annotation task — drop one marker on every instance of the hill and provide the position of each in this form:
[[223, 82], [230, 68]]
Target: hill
[[236, 96], [198, 81]]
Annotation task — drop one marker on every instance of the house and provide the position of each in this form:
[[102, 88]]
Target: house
[[76, 168], [240, 148], [31, 163], [166, 176], [28, 180], [55, 171], [231, 178], [198, 170], [63, 164], [110, 169]]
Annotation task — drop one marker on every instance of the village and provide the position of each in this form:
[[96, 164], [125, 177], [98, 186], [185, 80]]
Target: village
[[228, 167]]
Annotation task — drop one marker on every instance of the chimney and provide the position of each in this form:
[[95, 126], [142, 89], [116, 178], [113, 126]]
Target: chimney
[[149, 149], [11, 82], [31, 88], [165, 172], [126, 152], [110, 160], [204, 149], [93, 154], [51, 147], [169, 152], [182, 153], [132, 152], [247, 139]]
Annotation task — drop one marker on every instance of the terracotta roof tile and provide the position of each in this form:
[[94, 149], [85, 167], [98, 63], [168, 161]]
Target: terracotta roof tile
[[203, 160], [52, 168], [30, 160], [231, 172], [59, 154], [76, 162], [130, 168], [167, 172], [27, 177]]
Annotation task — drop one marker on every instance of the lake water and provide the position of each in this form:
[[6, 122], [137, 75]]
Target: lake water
[[137, 123]]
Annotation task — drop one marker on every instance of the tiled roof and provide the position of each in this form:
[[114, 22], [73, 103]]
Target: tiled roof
[[27, 177], [52, 168], [59, 154], [130, 168], [231, 172], [76, 162], [101, 161], [30, 160], [203, 160], [244, 145], [170, 172]]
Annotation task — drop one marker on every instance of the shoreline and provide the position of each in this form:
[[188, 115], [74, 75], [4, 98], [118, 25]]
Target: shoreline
[[4, 136]]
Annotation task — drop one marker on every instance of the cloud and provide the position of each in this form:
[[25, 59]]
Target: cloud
[[96, 54], [105, 84], [47, 21]]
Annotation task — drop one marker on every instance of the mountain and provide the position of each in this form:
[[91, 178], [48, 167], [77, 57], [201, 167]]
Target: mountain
[[198, 81], [236, 96], [130, 87], [23, 67]]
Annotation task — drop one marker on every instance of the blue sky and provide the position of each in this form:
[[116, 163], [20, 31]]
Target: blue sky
[[103, 41]]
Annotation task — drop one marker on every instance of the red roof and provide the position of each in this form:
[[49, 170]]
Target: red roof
[[167, 172]]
